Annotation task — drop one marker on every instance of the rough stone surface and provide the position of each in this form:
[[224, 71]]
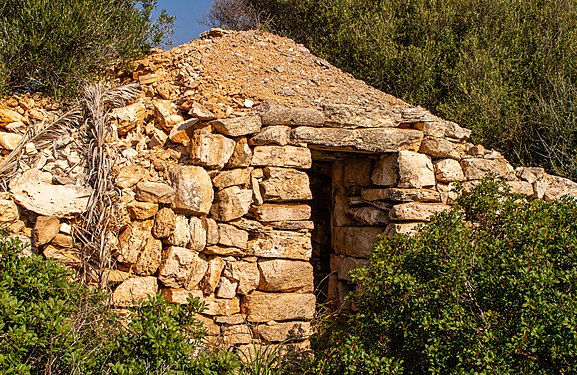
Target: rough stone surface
[[246, 274], [180, 236], [132, 240], [355, 241], [280, 115], [238, 126], [45, 229], [182, 268], [232, 236], [416, 211], [164, 223], [8, 211], [439, 148], [348, 264], [241, 155], [401, 195], [232, 177], [129, 175], [167, 113], [141, 210], [284, 184], [135, 289], [281, 275], [231, 203], [284, 331], [415, 170], [448, 170], [281, 212], [197, 234], [360, 140], [558, 187], [154, 192], [394, 229], [194, 193], [149, 258], [128, 118], [477, 168], [210, 280], [282, 156], [210, 150], [9, 141], [272, 135], [35, 192], [264, 307], [353, 116], [371, 216], [282, 244], [386, 172]]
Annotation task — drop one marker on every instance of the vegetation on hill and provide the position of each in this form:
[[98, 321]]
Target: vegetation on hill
[[487, 288], [54, 45], [505, 69]]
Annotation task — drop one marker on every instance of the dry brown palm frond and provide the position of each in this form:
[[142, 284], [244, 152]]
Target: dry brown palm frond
[[41, 135], [103, 203]]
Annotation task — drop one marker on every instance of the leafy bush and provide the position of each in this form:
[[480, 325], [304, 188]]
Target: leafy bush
[[50, 324], [489, 287], [54, 45], [505, 69]]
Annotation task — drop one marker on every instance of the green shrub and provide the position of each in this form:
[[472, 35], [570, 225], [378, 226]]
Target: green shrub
[[487, 288], [54, 45], [505, 69], [50, 324]]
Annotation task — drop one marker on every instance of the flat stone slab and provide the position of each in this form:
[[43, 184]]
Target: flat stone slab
[[377, 140]]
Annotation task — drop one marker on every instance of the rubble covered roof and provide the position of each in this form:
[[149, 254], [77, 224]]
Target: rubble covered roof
[[228, 68]]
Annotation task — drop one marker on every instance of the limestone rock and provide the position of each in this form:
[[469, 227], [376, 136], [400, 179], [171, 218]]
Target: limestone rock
[[282, 156], [9, 141], [282, 244], [129, 176], [217, 306], [416, 211], [386, 172], [272, 114], [284, 331], [231, 236], [264, 307], [182, 268], [8, 116], [241, 156], [281, 212], [283, 185], [200, 112], [348, 264], [64, 256], [8, 211], [164, 223], [357, 172], [210, 150], [34, 191], [167, 113], [45, 229], [132, 240], [231, 203], [355, 241], [236, 334], [183, 132], [377, 140], [135, 289], [128, 118], [224, 251], [232, 177], [180, 236], [63, 240], [477, 168], [237, 126], [369, 216], [439, 148], [401, 195], [180, 295], [149, 258], [521, 187], [247, 275], [558, 187], [211, 232], [353, 116], [448, 170], [272, 135], [210, 280], [281, 275], [442, 128], [197, 234], [154, 192], [226, 288], [415, 170], [194, 193], [141, 210]]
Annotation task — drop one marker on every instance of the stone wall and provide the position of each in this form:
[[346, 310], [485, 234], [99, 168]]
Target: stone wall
[[217, 202]]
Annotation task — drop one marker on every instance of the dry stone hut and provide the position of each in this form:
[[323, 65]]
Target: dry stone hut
[[249, 173]]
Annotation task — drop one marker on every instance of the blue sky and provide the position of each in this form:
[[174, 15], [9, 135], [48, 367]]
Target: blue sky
[[188, 14]]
